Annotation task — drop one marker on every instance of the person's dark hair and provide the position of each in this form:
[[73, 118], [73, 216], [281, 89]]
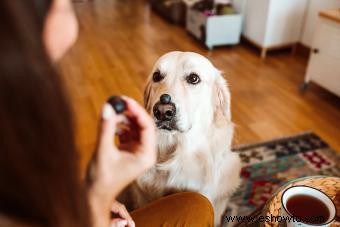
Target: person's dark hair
[[39, 174]]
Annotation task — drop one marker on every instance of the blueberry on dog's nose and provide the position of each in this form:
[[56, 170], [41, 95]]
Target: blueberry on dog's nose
[[165, 99]]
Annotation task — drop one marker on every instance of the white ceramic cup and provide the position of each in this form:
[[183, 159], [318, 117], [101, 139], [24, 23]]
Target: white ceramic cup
[[307, 191]]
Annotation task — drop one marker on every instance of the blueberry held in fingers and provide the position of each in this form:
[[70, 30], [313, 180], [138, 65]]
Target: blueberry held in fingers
[[117, 103]]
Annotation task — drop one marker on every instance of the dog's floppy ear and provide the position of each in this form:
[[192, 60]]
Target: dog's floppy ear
[[147, 95], [221, 98]]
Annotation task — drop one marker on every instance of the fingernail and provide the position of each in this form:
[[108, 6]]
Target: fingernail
[[122, 223], [107, 111], [132, 223]]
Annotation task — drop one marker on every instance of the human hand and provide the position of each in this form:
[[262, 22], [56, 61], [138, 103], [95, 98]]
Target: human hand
[[113, 168], [121, 217]]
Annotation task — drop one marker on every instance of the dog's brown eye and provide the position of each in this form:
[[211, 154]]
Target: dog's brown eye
[[193, 78], [157, 76]]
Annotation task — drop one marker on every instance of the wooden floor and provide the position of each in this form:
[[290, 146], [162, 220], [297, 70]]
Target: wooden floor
[[121, 39]]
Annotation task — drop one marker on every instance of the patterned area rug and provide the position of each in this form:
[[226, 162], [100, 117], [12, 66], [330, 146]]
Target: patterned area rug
[[269, 165]]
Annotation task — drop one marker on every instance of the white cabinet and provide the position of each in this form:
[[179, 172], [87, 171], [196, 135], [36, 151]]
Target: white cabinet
[[271, 24], [324, 63], [214, 30], [313, 8]]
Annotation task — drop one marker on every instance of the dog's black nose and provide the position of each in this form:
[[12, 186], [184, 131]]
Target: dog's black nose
[[164, 112], [165, 99]]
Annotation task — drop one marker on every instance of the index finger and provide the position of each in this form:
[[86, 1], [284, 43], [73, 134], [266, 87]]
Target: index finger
[[143, 119], [139, 113]]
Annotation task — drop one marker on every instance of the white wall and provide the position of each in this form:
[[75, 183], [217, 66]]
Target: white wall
[[314, 6]]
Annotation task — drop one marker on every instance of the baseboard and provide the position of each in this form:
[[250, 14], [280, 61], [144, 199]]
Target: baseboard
[[302, 49], [297, 48]]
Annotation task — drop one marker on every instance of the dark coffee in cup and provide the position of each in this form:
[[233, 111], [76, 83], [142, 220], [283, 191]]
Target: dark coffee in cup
[[303, 206]]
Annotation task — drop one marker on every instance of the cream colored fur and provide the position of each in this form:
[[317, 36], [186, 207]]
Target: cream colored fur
[[197, 157]]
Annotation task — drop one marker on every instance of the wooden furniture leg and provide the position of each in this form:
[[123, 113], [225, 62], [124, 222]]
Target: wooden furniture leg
[[263, 53]]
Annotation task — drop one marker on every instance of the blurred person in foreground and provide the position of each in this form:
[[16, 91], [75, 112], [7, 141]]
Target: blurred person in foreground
[[40, 183]]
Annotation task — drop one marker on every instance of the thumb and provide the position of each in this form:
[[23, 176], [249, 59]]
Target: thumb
[[108, 126]]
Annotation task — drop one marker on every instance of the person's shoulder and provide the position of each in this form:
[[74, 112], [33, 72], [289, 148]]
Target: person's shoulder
[[10, 222]]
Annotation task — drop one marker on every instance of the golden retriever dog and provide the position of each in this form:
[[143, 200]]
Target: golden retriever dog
[[190, 103]]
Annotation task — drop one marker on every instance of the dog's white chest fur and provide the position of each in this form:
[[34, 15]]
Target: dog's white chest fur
[[183, 163]]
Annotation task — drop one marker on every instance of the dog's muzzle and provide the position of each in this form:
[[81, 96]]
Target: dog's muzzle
[[165, 113]]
